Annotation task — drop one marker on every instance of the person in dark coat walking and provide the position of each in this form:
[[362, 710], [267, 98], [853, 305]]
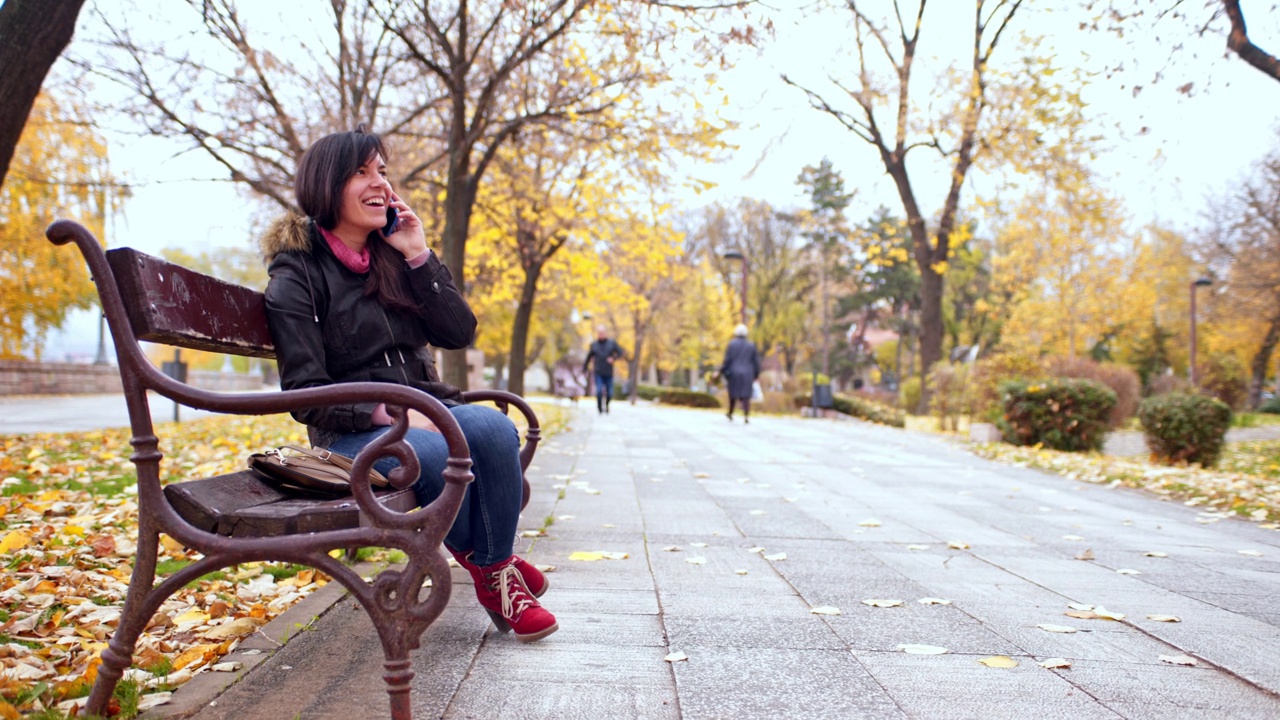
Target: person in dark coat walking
[[603, 352], [740, 369]]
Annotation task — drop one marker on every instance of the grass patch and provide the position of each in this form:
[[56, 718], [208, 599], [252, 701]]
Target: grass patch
[[169, 566]]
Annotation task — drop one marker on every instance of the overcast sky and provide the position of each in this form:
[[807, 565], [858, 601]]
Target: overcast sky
[[1195, 145]]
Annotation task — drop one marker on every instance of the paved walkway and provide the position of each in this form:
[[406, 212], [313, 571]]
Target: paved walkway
[[860, 512], [73, 413]]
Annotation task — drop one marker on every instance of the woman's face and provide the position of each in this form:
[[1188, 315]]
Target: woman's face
[[365, 198]]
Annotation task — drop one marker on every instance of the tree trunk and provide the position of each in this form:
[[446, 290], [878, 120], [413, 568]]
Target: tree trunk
[[33, 33], [520, 328], [930, 329], [499, 371], [459, 200], [1261, 361], [633, 366]]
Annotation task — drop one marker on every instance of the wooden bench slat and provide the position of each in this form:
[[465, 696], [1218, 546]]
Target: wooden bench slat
[[170, 304], [242, 505]]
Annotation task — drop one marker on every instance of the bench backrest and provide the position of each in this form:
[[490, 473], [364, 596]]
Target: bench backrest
[[173, 305]]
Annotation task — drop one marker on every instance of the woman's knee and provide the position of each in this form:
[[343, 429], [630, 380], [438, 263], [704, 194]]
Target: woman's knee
[[485, 427]]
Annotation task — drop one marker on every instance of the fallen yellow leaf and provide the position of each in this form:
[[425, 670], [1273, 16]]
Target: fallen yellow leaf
[[15, 540], [173, 546], [197, 654], [192, 617], [999, 661], [236, 628], [1054, 663]]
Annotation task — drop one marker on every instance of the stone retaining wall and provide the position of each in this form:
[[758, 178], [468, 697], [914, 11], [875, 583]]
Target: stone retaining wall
[[24, 377]]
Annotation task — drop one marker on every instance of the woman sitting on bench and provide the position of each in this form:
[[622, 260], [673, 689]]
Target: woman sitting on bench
[[356, 295]]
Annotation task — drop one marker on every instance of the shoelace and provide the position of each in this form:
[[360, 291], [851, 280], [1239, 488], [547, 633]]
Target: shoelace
[[515, 600]]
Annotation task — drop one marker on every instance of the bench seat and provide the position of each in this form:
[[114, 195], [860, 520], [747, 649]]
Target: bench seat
[[242, 505]]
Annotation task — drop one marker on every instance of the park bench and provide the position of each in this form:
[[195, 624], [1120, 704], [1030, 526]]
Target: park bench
[[237, 518]]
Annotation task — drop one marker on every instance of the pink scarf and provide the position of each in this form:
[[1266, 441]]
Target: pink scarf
[[355, 262]]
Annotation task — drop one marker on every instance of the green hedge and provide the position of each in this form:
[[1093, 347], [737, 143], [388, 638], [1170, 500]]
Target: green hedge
[[859, 408], [1185, 428], [1061, 414], [677, 396], [1271, 407]]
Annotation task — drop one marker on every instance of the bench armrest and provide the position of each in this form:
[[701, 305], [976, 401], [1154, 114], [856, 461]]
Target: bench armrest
[[503, 400]]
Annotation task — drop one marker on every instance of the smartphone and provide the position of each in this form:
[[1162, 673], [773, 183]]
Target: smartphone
[[393, 222]]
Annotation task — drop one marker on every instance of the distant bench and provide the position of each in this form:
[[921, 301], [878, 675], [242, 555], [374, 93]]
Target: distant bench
[[238, 518]]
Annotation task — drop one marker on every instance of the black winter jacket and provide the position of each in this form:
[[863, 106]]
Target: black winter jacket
[[325, 330]]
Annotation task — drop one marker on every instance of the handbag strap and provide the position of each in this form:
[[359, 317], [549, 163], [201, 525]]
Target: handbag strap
[[342, 461]]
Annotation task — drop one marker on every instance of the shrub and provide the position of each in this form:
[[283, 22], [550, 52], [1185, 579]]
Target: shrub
[[1065, 414], [687, 398], [855, 406], [1165, 384], [1185, 428], [989, 373], [949, 400], [1225, 377], [909, 394], [877, 395], [804, 381], [647, 392], [1271, 407], [1123, 381]]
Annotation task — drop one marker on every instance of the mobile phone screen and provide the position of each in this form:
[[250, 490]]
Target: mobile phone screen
[[393, 222]]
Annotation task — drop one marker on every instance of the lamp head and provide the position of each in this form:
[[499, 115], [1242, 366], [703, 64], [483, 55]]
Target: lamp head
[[1203, 282], [733, 255]]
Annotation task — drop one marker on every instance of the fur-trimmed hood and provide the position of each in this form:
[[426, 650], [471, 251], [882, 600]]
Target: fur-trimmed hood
[[287, 232]]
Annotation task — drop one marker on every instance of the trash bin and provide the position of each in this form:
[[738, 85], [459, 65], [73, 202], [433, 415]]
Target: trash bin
[[822, 396]]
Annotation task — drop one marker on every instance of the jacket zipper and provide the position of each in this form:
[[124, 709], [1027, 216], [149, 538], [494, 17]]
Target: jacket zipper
[[394, 344]]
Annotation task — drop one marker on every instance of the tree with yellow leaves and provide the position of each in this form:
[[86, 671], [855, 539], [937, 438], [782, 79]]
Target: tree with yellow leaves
[[1242, 242], [59, 169]]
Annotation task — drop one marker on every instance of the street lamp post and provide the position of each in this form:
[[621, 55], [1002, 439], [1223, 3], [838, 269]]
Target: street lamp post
[[1191, 370], [746, 271]]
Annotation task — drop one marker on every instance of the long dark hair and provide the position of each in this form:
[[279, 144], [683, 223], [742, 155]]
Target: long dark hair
[[322, 175]]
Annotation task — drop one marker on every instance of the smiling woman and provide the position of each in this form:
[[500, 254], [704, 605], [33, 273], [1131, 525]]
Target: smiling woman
[[349, 301]]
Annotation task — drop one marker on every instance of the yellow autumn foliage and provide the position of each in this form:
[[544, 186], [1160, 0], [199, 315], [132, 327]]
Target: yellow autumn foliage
[[60, 170]]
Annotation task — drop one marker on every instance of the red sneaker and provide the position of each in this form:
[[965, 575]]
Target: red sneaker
[[510, 605], [532, 576]]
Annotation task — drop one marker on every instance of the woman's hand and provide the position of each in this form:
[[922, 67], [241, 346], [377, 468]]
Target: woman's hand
[[408, 237], [422, 422]]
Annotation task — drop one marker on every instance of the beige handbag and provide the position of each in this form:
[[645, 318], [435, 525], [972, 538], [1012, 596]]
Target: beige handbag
[[303, 470]]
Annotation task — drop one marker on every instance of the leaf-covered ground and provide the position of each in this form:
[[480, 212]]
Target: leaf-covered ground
[[68, 526], [1245, 483]]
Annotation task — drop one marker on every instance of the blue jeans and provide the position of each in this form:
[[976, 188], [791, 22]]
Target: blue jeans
[[490, 512], [604, 390]]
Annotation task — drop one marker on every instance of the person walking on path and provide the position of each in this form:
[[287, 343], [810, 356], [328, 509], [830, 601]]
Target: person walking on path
[[356, 295], [740, 369], [603, 352]]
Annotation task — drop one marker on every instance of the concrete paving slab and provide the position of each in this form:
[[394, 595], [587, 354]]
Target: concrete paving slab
[[944, 686], [719, 682]]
